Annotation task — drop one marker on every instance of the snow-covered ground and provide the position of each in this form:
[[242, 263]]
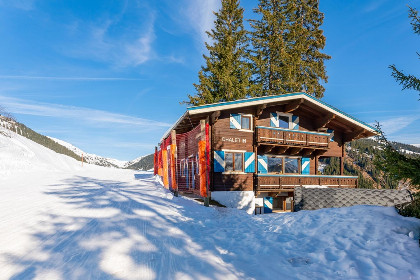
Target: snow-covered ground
[[59, 220]]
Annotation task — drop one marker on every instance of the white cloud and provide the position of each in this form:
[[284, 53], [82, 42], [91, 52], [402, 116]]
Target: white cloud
[[141, 50], [200, 16], [393, 125], [100, 42], [81, 114]]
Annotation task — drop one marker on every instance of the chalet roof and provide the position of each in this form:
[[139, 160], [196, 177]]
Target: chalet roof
[[318, 107]]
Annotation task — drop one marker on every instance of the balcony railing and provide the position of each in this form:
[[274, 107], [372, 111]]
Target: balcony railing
[[278, 182], [288, 137]]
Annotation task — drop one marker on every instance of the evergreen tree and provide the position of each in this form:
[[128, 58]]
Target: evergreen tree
[[409, 81], [287, 43], [397, 165], [226, 75]]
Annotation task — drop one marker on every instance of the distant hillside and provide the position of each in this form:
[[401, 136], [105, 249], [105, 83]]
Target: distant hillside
[[25, 131], [144, 163], [91, 158], [62, 147], [359, 162]]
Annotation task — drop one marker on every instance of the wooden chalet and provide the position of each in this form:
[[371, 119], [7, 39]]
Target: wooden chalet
[[251, 153]]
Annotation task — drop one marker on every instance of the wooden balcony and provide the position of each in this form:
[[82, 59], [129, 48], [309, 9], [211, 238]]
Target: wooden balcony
[[287, 137], [286, 182]]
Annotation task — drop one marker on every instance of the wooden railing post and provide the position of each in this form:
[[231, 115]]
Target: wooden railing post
[[173, 158]]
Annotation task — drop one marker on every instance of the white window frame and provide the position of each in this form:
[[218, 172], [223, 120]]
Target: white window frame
[[251, 123], [243, 161], [286, 115]]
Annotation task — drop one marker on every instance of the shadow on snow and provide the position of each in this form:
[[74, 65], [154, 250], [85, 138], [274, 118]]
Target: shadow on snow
[[120, 230]]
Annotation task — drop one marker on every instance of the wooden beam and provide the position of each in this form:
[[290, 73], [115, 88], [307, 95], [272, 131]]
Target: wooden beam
[[353, 135], [260, 109], [321, 122], [318, 153], [281, 149], [214, 117], [307, 151], [295, 150], [293, 105], [268, 149]]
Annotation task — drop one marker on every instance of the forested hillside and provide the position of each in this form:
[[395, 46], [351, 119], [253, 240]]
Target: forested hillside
[[145, 163], [359, 162], [25, 131]]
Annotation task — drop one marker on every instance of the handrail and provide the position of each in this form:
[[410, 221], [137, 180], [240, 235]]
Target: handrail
[[298, 131], [306, 175]]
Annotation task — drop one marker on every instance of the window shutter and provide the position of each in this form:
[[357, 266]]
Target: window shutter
[[249, 159], [331, 132], [274, 120], [306, 165], [219, 161], [235, 121], [268, 204], [262, 164], [295, 122]]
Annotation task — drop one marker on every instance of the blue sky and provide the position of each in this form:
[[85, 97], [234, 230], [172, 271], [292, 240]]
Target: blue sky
[[109, 76]]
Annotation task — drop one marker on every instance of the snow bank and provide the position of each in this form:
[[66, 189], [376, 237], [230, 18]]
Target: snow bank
[[244, 200]]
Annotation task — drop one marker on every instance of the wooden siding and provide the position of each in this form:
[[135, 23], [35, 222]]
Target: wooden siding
[[312, 170], [264, 118], [334, 150], [225, 137], [277, 183], [233, 182]]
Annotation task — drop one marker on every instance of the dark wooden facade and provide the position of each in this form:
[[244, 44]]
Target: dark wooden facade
[[313, 130]]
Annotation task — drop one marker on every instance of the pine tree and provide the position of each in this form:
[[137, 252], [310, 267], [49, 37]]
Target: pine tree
[[409, 81], [226, 75], [397, 165], [287, 43]]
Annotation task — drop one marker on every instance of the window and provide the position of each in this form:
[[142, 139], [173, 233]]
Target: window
[[234, 161], [283, 121], [241, 121], [238, 159], [275, 165], [283, 165], [246, 122], [291, 165]]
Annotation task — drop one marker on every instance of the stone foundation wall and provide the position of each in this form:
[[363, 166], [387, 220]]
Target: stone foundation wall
[[317, 198]]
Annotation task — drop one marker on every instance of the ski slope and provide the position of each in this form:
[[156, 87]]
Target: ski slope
[[59, 220], [91, 158]]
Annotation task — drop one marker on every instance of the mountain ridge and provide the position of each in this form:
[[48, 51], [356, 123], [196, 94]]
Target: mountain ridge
[[68, 149]]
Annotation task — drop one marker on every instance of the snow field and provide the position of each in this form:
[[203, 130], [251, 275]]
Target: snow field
[[61, 221]]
